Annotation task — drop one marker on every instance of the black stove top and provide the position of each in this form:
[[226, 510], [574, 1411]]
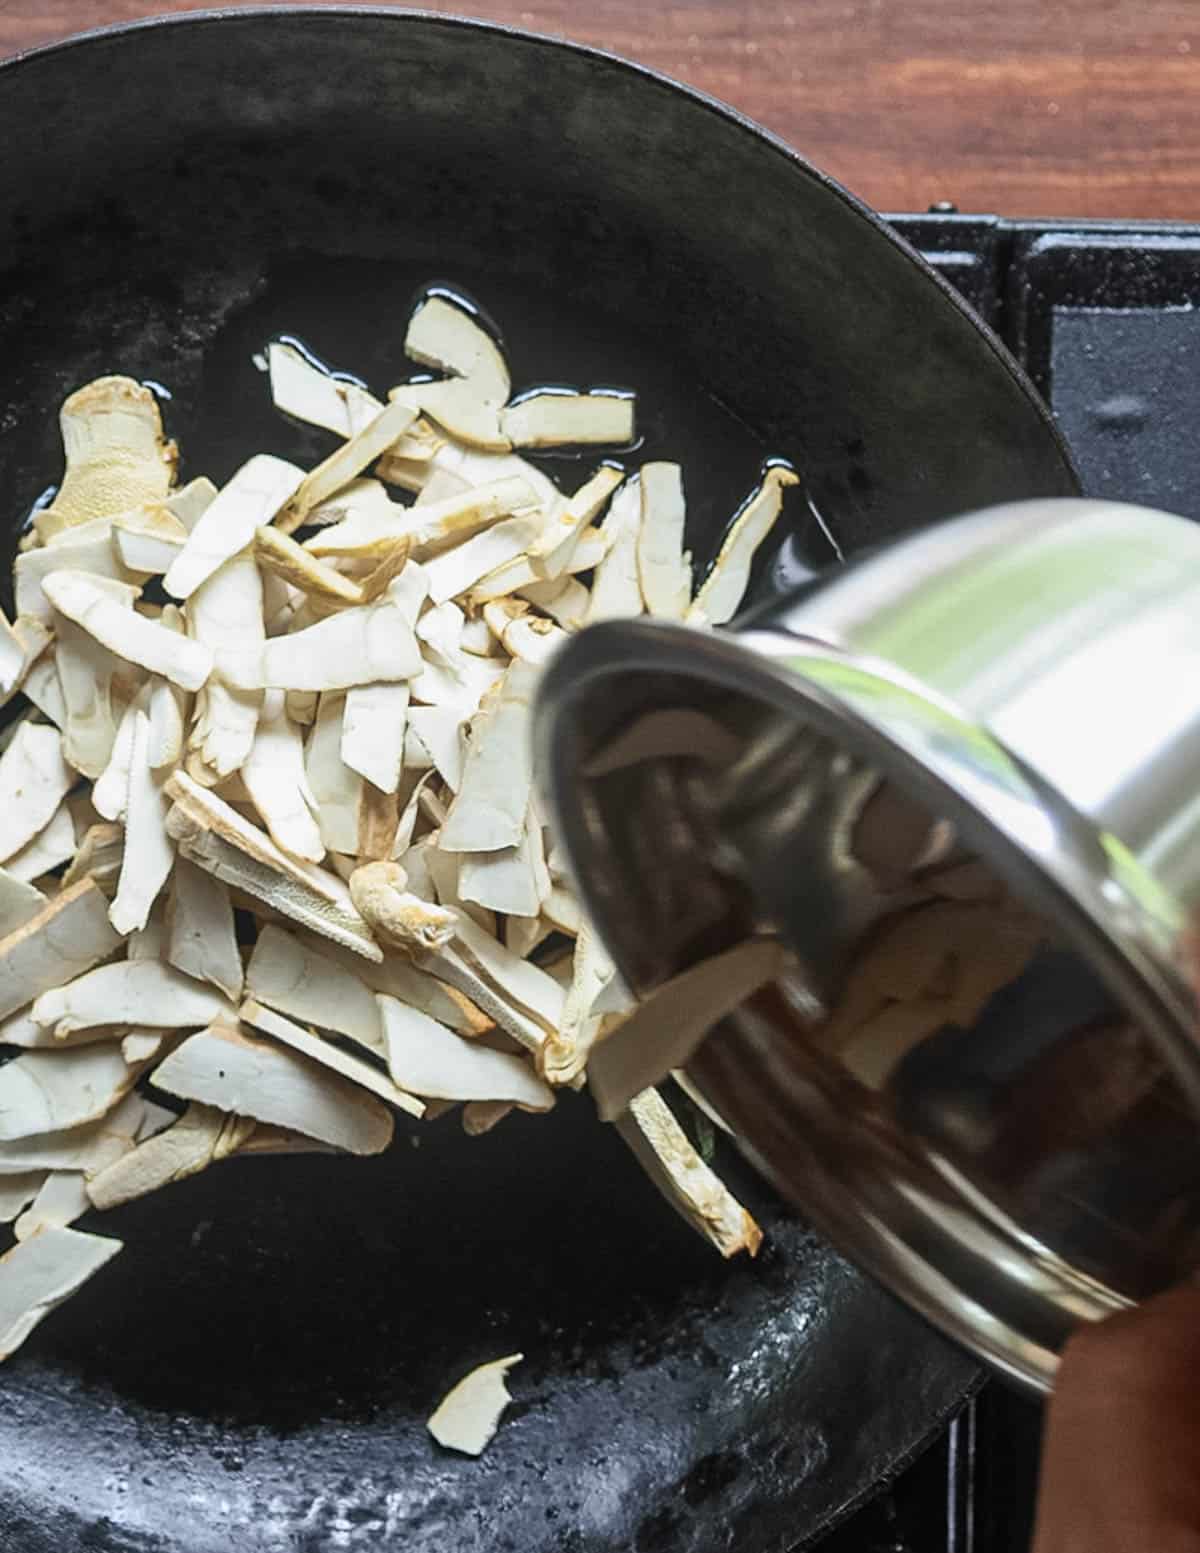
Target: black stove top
[[1105, 317]]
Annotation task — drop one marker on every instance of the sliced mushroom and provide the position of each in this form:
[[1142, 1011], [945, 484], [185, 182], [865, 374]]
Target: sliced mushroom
[[616, 589], [44, 689], [355, 647], [372, 737], [439, 730], [51, 1091], [202, 939], [308, 393], [96, 557], [329, 1056], [259, 489], [85, 675], [568, 1045], [446, 337], [456, 571], [722, 590], [551, 552], [190, 502], [225, 1068], [20, 902], [148, 853], [374, 532], [34, 780], [397, 916], [127, 634], [110, 792], [38, 1274], [280, 555], [139, 1046], [564, 599], [87, 1149], [664, 568], [342, 465], [225, 613], [145, 541], [67, 937], [468, 1415], [456, 406], [199, 1138], [130, 992], [530, 639], [514, 880], [521, 983], [335, 786], [489, 809], [18, 1191], [99, 858], [548, 419], [278, 784], [427, 1059], [459, 688], [116, 455], [689, 1185], [53, 845], [287, 974]]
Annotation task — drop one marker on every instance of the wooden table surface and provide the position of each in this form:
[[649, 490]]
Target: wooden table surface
[[1023, 107]]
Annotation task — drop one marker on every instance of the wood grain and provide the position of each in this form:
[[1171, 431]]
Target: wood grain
[[1025, 107]]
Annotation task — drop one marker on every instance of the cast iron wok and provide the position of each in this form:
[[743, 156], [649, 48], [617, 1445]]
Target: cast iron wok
[[253, 1372]]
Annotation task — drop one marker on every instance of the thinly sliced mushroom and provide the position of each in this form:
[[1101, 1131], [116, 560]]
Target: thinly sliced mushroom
[[489, 809], [287, 974], [530, 639], [723, 588], [519, 982], [329, 1056], [116, 455], [564, 599], [568, 1045], [468, 1415], [551, 552], [34, 780], [110, 792], [22, 645], [148, 854], [146, 541], [279, 554], [67, 937], [53, 845], [616, 589], [446, 337], [355, 647], [427, 1059], [51, 1091], [87, 1149], [20, 902], [255, 494], [278, 784], [308, 393], [225, 613], [480, 1116], [85, 675], [439, 729], [397, 916], [335, 786], [127, 634], [18, 1191], [44, 689], [202, 939], [372, 739], [342, 465], [459, 689], [99, 858], [372, 533], [456, 571], [689, 1185], [548, 419], [514, 881], [201, 1137], [664, 568], [190, 502], [519, 574], [455, 405], [139, 1046], [96, 557], [149, 942], [224, 1067], [130, 992], [38, 1274], [214, 835]]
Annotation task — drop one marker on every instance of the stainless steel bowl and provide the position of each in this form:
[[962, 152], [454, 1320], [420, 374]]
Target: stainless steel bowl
[[1016, 691]]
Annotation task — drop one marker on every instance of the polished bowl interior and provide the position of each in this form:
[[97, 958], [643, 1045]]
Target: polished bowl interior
[[257, 1366]]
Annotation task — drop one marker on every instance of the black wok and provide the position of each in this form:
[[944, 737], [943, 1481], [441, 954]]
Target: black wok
[[254, 1371]]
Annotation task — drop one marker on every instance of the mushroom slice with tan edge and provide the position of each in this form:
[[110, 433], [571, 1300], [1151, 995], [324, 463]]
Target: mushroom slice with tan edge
[[554, 546], [397, 916], [67, 937], [287, 974], [211, 833], [38, 1274], [200, 1137], [226, 1068], [480, 1116], [616, 588], [519, 982], [372, 737], [664, 567], [519, 574], [689, 1185], [664, 1031], [140, 1046], [444, 335], [329, 1056], [346, 461], [24, 660], [99, 858], [279, 554], [489, 809], [307, 392], [568, 1045], [336, 788], [190, 502], [110, 792], [455, 571], [255, 494], [514, 881], [201, 939], [355, 647], [549, 418], [460, 688], [20, 902], [146, 541], [138, 992], [116, 455], [87, 1149], [427, 1059], [455, 405], [34, 780], [18, 1191], [97, 557], [439, 730], [396, 976], [225, 613], [127, 634], [53, 845], [372, 533], [467, 1417], [278, 785], [532, 639], [148, 854], [722, 590], [564, 599], [52, 1091]]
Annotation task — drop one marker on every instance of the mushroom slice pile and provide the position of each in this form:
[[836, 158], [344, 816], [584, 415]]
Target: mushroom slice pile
[[271, 850]]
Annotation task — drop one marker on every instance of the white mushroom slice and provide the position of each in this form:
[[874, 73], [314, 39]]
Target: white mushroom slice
[[53, 845], [97, 558], [489, 809], [51, 1091], [149, 942], [664, 569], [564, 599], [116, 454], [280, 555], [147, 539], [439, 730], [99, 858], [455, 571], [552, 550], [330, 1056], [569, 1044], [278, 785], [335, 787], [85, 675], [225, 1068], [167, 711], [287, 974], [214, 835], [446, 337], [357, 498], [483, 994], [200, 1137], [396, 915], [40, 1273], [110, 793], [441, 629], [22, 645], [34, 780], [356, 647], [456, 406], [148, 854], [20, 902], [665, 1030], [563, 912], [138, 1047], [308, 393], [522, 935], [548, 419], [593, 545], [480, 1116], [142, 992], [18, 1191], [125, 633], [695, 1191], [459, 689], [346, 461], [514, 881], [226, 614], [87, 1149], [521, 983], [427, 1059], [616, 590], [372, 737], [373, 532], [191, 501], [201, 936], [43, 688], [721, 592], [477, 639], [255, 494], [63, 1198], [467, 1416], [530, 639]]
